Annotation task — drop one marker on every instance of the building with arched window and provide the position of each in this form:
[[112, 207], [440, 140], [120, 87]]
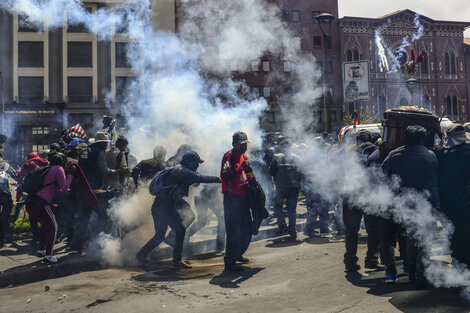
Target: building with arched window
[[443, 75]]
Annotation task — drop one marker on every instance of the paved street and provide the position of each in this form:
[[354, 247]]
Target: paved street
[[283, 276]]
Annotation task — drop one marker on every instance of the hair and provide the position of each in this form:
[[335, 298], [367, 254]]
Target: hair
[[57, 158], [121, 141], [415, 135]]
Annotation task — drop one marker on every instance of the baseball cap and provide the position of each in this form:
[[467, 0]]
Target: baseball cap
[[239, 138]]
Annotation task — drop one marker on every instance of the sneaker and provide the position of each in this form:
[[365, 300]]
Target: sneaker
[[374, 265], [145, 261], [232, 267], [181, 264], [243, 260], [391, 278], [293, 235], [41, 253], [51, 259], [326, 232]]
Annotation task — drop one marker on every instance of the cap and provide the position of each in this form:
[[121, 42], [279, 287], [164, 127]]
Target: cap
[[191, 158], [239, 138]]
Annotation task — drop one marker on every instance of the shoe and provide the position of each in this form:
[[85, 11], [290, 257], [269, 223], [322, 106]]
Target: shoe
[[281, 230], [181, 264], [51, 259], [374, 265], [352, 267], [243, 260], [391, 278], [293, 235], [233, 267], [41, 253], [326, 232], [145, 261]]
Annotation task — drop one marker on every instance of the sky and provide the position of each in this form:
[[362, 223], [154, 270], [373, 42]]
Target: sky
[[451, 10]]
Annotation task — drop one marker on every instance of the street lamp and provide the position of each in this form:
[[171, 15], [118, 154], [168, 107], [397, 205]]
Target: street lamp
[[411, 84], [326, 19]]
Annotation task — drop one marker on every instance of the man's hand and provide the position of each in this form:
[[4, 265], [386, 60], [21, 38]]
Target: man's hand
[[72, 169], [245, 165]]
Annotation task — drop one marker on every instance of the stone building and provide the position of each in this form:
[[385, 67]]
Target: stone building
[[443, 76], [55, 78]]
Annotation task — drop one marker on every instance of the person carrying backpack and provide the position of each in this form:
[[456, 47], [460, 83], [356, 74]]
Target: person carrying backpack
[[170, 209], [38, 204]]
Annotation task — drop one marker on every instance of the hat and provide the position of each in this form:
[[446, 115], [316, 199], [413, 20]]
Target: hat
[[191, 158], [454, 136], [239, 138], [75, 142], [101, 137]]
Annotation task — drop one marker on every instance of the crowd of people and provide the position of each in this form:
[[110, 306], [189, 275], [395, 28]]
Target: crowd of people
[[61, 188]]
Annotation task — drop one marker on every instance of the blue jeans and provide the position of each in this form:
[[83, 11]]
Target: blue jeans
[[317, 207], [291, 196], [237, 226]]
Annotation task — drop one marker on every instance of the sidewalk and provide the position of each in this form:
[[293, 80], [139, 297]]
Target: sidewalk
[[19, 263]]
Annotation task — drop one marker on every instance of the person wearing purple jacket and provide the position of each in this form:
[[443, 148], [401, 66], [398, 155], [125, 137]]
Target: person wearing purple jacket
[[39, 206]]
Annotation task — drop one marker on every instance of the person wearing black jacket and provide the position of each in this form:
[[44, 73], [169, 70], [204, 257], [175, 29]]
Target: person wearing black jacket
[[170, 209], [417, 168], [146, 169]]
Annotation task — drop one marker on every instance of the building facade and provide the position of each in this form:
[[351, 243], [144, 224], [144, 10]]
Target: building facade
[[55, 78], [442, 77]]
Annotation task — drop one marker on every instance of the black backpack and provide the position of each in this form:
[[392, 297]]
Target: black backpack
[[34, 181]]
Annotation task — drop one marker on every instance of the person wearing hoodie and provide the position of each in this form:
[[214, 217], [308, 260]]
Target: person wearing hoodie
[[170, 209], [146, 169]]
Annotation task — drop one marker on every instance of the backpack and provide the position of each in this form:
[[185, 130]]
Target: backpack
[[34, 181], [157, 187], [4, 183]]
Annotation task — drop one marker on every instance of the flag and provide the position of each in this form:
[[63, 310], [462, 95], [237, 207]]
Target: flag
[[76, 131]]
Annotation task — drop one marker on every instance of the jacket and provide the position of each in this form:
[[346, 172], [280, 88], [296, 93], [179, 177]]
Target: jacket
[[285, 170], [94, 166], [417, 168], [62, 183], [147, 169], [233, 177]]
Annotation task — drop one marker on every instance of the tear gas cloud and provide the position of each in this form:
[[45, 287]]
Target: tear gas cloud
[[180, 103]]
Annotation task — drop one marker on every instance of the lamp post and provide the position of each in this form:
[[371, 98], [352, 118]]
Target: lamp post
[[411, 84], [326, 18], [3, 104]]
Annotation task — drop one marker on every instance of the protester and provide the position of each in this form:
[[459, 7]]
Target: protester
[[417, 168], [285, 170], [146, 169], [454, 189], [238, 221], [116, 158], [40, 206], [170, 209]]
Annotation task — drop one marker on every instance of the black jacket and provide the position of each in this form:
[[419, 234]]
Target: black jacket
[[417, 168], [146, 169]]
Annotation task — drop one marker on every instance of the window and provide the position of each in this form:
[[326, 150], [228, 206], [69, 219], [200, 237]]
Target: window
[[317, 41], [30, 54], [39, 148], [315, 13], [266, 66], [41, 130], [74, 26], [295, 16], [455, 106], [25, 26], [403, 101], [450, 63], [122, 50], [424, 64], [285, 15], [287, 66], [349, 56], [356, 55], [296, 43], [79, 54], [122, 87], [453, 68], [447, 63], [256, 91], [80, 89], [266, 92], [255, 66], [352, 55], [30, 89]]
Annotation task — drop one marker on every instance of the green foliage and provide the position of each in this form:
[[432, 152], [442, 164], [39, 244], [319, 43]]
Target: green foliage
[[22, 225], [366, 117]]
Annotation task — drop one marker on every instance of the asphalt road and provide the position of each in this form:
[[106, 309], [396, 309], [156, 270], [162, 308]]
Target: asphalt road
[[306, 275]]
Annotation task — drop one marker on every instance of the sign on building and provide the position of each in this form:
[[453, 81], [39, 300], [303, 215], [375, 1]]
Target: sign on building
[[356, 81]]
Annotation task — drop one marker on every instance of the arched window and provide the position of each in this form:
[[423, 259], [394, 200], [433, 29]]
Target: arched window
[[424, 64], [356, 55], [403, 101], [448, 106], [455, 106], [453, 68], [425, 102], [447, 63], [349, 55]]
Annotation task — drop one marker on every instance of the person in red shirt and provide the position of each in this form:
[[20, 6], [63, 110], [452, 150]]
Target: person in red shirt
[[236, 208]]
